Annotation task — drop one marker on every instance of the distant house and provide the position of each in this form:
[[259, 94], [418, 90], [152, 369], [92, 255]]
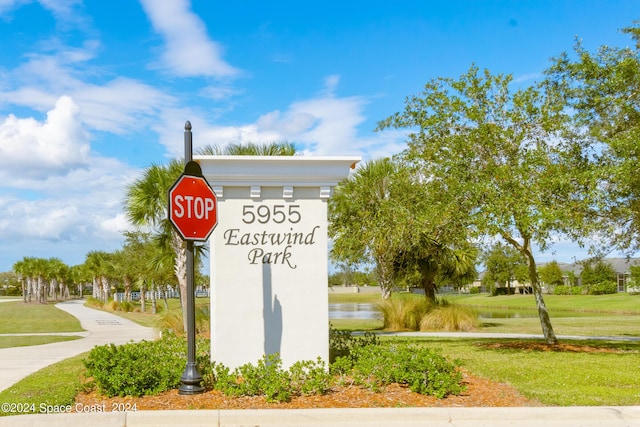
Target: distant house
[[513, 287], [621, 266]]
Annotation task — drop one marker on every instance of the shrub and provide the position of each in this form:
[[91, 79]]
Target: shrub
[[111, 305], [94, 302], [417, 367], [450, 317], [172, 320], [602, 288], [267, 378], [404, 314], [126, 306], [144, 368], [342, 343], [567, 290]]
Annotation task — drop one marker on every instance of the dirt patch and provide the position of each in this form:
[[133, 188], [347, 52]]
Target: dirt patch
[[539, 346], [480, 392]]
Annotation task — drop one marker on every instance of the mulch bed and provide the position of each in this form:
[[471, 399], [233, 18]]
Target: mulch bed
[[480, 392]]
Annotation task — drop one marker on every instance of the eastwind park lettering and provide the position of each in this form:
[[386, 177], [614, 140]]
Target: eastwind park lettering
[[268, 246]]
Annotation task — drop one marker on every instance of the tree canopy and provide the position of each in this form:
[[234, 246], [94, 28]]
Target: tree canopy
[[507, 161], [602, 90]]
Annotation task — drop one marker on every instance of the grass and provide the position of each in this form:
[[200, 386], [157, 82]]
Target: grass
[[450, 318], [28, 340], [20, 318], [614, 303], [57, 384], [555, 378]]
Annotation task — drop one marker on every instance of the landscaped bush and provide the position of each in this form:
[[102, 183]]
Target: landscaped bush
[[126, 306], [268, 379], [172, 321], [111, 305], [144, 368], [421, 314], [342, 343], [602, 288], [404, 314], [94, 302], [567, 290], [450, 317], [152, 367], [421, 369]]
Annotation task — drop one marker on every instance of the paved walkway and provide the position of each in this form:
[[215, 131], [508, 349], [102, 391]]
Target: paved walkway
[[100, 328]]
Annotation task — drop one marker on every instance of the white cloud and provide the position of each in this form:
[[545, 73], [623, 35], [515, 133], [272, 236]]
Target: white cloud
[[322, 125], [120, 105], [66, 215], [188, 50], [6, 5], [33, 149]]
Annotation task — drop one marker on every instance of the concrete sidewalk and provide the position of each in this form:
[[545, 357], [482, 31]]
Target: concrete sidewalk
[[593, 416], [100, 328]]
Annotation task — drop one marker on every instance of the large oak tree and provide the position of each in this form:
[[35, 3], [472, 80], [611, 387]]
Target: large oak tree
[[505, 162]]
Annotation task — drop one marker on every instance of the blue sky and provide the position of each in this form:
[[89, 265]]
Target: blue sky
[[93, 92]]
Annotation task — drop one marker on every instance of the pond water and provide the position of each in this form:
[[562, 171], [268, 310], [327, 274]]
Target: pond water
[[353, 311], [371, 311]]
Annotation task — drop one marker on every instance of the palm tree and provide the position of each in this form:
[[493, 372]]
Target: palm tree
[[99, 264], [80, 276], [23, 270], [365, 218], [250, 149], [59, 275], [146, 208]]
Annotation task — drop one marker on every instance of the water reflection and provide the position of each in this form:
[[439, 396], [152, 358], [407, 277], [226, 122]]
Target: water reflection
[[507, 314], [353, 311]]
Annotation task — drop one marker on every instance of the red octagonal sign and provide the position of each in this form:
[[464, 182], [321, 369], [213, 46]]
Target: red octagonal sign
[[193, 207]]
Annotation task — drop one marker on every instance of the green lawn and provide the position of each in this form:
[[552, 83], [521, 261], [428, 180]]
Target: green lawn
[[619, 303], [28, 340], [20, 318], [555, 378], [57, 384]]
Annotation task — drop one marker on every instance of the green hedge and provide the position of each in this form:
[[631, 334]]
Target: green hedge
[[152, 367], [602, 288]]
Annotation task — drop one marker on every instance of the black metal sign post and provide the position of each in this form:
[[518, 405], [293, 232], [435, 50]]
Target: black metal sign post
[[191, 378]]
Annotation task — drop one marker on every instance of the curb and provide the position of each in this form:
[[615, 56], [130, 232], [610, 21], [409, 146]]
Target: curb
[[600, 416]]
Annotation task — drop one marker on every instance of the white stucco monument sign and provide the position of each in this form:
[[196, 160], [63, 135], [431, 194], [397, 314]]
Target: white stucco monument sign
[[269, 256]]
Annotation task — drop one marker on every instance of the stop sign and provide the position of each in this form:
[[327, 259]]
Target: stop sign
[[193, 207]]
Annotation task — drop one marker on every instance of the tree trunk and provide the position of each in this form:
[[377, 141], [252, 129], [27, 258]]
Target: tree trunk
[[105, 289], [143, 299], [428, 282], [40, 294], [164, 298], [95, 290], [543, 313], [127, 288], [181, 272], [53, 289], [385, 274], [154, 304]]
